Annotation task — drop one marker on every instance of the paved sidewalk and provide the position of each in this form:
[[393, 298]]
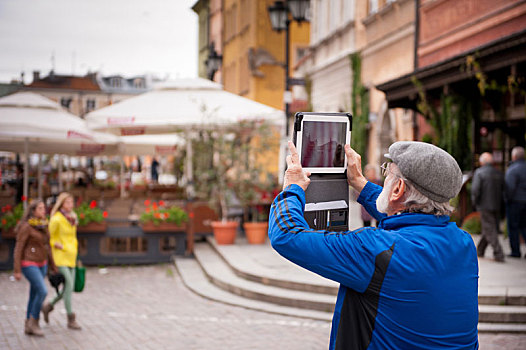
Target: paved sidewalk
[[148, 307]]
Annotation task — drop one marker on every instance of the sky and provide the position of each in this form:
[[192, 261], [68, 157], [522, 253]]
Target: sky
[[126, 37]]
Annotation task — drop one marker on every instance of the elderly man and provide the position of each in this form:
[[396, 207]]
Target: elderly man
[[411, 283], [516, 199], [486, 195]]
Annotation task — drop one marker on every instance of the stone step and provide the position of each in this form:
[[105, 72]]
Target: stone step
[[235, 256], [195, 279], [220, 274], [484, 327], [502, 313]]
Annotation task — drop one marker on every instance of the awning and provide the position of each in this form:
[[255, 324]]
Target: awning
[[402, 92]]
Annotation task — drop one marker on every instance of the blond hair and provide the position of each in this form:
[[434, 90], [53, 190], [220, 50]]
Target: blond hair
[[60, 201]]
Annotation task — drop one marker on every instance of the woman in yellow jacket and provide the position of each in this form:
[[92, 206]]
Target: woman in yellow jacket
[[64, 246]]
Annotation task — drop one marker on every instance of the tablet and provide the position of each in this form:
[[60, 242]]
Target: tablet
[[320, 138]]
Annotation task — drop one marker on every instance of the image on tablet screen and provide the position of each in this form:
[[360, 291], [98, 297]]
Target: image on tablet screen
[[322, 144]]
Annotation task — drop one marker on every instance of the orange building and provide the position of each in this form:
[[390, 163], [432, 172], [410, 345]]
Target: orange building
[[254, 54]]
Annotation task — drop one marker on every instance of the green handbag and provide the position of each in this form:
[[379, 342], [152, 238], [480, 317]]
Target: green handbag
[[80, 277]]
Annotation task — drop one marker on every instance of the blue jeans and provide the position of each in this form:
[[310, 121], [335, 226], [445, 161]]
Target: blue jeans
[[516, 217], [38, 291]]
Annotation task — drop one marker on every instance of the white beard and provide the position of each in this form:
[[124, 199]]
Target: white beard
[[382, 202]]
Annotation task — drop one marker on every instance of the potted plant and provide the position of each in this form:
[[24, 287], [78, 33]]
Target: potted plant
[[158, 217], [10, 217], [91, 218], [225, 160], [254, 185]]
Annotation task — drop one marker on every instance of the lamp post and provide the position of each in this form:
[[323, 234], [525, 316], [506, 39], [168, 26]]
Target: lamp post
[[279, 18], [213, 62]]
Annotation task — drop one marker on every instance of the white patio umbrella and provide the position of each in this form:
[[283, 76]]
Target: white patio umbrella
[[185, 104], [32, 123], [181, 105], [149, 144]]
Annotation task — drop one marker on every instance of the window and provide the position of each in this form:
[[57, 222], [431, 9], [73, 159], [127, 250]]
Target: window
[[300, 53], [335, 12], [322, 20], [90, 105], [244, 75], [65, 102], [373, 6], [138, 83], [348, 10], [116, 82]]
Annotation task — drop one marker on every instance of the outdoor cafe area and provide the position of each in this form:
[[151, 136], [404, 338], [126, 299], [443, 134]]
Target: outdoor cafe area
[[121, 237], [216, 154]]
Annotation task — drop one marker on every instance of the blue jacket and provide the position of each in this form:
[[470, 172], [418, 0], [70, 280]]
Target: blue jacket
[[411, 283], [516, 182]]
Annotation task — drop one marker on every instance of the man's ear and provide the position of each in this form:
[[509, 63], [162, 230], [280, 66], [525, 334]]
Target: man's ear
[[398, 190]]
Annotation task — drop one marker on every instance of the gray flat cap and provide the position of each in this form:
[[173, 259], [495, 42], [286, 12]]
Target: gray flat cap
[[431, 170]]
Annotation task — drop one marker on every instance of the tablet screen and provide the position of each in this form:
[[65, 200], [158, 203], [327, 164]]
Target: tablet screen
[[322, 144]]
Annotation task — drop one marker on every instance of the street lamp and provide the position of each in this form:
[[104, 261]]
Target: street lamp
[[213, 62], [279, 18]]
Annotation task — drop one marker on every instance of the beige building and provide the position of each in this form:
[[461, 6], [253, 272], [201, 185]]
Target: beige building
[[388, 53], [335, 34], [381, 34]]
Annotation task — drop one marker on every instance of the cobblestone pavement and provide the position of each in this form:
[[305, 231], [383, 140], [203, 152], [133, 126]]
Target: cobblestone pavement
[[148, 307]]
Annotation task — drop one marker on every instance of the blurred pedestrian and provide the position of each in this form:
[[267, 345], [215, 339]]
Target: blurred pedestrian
[[154, 171], [64, 245], [370, 173], [32, 256], [516, 200], [486, 196], [19, 184]]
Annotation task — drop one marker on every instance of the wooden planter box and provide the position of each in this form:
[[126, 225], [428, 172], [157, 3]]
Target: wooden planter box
[[8, 234], [114, 193], [93, 227], [149, 227]]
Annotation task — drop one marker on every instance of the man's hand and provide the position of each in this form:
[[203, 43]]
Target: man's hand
[[295, 174], [18, 276], [355, 177]]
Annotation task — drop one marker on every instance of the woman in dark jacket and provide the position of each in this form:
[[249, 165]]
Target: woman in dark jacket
[[31, 258]]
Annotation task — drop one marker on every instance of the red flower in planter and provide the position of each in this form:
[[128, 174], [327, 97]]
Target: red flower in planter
[[105, 214], [147, 210], [157, 215], [93, 204], [82, 216], [4, 221], [161, 203], [155, 206], [147, 203], [166, 215]]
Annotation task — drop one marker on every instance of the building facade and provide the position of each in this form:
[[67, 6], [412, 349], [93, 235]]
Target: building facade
[[202, 9], [335, 35], [387, 53], [470, 77], [83, 94], [355, 45]]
